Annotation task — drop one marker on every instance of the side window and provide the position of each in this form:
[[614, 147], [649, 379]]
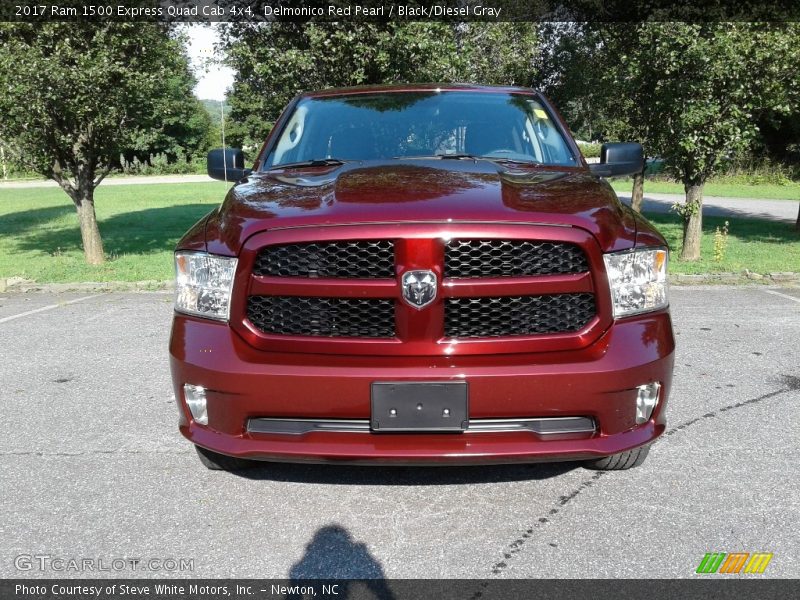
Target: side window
[[535, 142], [530, 141], [548, 142], [291, 136]]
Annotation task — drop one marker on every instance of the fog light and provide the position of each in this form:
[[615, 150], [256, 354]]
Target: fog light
[[646, 400], [196, 401]]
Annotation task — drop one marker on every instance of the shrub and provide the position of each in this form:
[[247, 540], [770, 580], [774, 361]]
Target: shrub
[[159, 164], [720, 242], [759, 172], [590, 150]]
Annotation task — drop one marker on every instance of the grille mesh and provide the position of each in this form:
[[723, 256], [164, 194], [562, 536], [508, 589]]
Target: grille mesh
[[328, 317], [509, 258], [517, 315], [363, 259]]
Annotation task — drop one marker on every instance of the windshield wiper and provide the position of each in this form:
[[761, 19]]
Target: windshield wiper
[[441, 156], [461, 155], [518, 161], [314, 162]]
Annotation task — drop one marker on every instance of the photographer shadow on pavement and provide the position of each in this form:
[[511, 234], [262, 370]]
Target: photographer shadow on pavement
[[334, 555]]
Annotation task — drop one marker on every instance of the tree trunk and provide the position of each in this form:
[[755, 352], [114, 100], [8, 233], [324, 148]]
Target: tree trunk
[[90, 233], [637, 194], [692, 221], [797, 225], [3, 160], [81, 190]]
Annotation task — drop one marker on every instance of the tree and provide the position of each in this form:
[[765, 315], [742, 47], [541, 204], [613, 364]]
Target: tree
[[568, 75], [797, 223], [74, 95], [3, 165], [581, 73], [275, 61], [694, 93], [183, 128]]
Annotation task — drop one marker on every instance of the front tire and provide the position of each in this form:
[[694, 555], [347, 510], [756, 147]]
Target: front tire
[[621, 461], [221, 462]]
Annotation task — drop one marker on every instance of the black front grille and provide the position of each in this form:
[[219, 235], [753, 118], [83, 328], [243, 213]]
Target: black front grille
[[328, 317], [363, 259], [510, 258], [517, 315]]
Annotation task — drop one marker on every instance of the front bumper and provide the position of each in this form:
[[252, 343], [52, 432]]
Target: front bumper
[[597, 382]]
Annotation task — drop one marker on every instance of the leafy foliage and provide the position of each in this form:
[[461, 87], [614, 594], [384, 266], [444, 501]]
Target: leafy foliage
[[76, 95], [691, 92], [275, 61], [708, 82], [569, 76]]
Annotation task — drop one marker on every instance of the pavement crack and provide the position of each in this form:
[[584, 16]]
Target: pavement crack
[[516, 546], [792, 383], [743, 403]]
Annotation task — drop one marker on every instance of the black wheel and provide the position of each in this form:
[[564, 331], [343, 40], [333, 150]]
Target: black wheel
[[222, 462], [621, 461]]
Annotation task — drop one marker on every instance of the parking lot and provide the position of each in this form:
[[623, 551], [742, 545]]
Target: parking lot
[[93, 466]]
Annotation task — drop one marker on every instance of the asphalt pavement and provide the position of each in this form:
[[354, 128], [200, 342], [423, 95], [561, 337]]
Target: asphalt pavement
[[719, 206], [93, 467]]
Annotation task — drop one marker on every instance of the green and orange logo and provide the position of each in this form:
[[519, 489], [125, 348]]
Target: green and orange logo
[[735, 562]]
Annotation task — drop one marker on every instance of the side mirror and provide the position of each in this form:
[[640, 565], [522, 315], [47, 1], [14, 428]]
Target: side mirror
[[619, 158], [226, 164]]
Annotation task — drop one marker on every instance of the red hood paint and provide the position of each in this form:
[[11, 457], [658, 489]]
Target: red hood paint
[[409, 191]]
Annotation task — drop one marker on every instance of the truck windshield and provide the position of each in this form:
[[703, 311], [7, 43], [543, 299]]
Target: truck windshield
[[404, 125]]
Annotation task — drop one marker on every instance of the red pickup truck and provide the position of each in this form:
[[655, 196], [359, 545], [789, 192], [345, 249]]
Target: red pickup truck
[[422, 275]]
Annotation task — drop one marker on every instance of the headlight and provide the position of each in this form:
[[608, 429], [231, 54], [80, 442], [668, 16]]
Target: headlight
[[638, 280], [203, 284]]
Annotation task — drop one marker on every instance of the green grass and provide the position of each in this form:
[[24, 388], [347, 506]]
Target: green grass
[[140, 224], [757, 245], [764, 191]]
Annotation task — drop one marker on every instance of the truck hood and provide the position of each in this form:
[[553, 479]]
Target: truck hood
[[431, 190]]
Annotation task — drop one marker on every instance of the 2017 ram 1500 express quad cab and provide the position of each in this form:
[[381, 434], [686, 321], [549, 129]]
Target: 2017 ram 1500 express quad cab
[[422, 275]]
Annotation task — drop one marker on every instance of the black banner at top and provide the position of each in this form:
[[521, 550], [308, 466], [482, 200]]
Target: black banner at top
[[208, 11]]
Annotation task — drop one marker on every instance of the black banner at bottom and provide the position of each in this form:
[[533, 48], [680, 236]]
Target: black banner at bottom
[[398, 589]]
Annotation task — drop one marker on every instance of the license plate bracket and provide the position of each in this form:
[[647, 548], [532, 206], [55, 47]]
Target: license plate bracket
[[429, 406]]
